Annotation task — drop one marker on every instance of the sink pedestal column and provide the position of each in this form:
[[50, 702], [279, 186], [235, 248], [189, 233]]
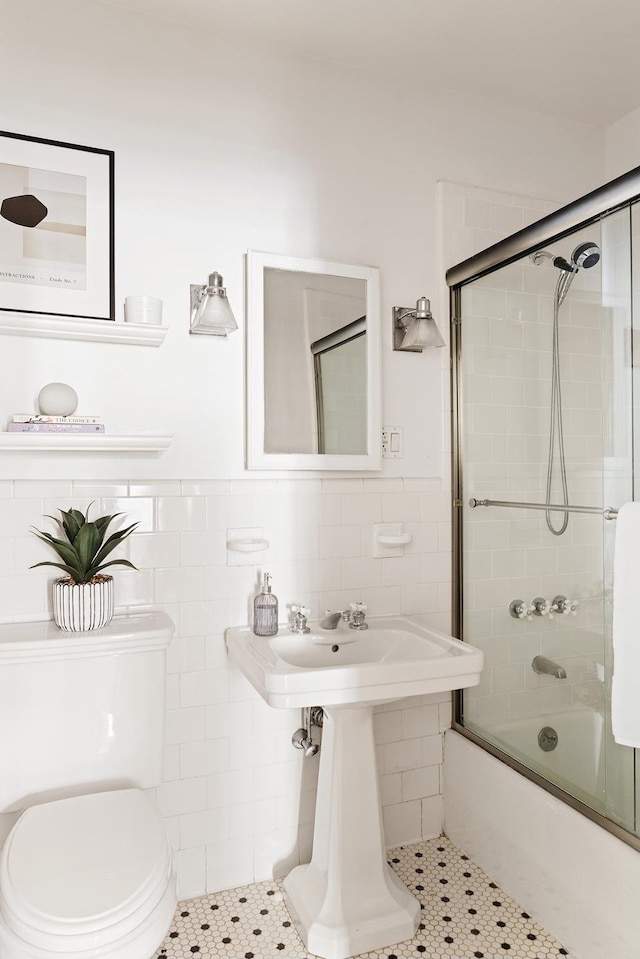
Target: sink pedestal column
[[348, 900]]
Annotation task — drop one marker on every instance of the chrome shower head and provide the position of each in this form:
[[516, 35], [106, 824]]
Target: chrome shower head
[[585, 255]]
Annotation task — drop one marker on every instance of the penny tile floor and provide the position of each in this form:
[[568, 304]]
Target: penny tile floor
[[464, 916]]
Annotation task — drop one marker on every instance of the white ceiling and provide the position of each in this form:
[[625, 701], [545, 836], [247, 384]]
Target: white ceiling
[[576, 59]]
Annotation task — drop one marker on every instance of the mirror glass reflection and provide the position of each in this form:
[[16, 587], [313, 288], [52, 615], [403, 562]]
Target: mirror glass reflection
[[340, 365], [315, 363]]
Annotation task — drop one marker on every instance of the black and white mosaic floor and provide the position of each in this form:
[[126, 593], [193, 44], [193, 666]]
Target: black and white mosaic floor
[[464, 916]]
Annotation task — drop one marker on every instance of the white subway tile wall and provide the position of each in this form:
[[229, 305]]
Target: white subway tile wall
[[237, 797]]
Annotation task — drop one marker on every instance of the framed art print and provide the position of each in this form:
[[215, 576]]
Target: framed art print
[[56, 228]]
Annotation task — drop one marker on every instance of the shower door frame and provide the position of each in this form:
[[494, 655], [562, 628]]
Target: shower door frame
[[589, 209]]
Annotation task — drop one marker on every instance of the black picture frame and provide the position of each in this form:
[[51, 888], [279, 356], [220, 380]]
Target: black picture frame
[[57, 225]]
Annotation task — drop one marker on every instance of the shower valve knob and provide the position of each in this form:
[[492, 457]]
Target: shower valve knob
[[518, 609], [566, 607], [560, 605], [540, 606]]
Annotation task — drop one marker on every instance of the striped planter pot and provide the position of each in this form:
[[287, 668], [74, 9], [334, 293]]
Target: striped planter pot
[[82, 606]]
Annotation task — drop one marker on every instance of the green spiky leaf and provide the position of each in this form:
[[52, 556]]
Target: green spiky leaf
[[114, 541], [72, 522], [87, 544], [64, 550], [73, 573], [103, 521], [113, 562]]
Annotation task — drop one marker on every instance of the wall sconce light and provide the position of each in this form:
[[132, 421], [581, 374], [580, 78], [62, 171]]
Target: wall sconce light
[[415, 330], [210, 310]]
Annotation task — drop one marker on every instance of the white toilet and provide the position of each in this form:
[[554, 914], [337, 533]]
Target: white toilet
[[86, 872]]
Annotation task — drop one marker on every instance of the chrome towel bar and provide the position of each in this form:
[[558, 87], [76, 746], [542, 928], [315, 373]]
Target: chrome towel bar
[[608, 512]]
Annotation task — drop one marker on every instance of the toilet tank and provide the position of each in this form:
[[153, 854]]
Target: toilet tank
[[81, 711]]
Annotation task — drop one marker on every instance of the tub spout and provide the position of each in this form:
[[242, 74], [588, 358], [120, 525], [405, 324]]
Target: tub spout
[[540, 664]]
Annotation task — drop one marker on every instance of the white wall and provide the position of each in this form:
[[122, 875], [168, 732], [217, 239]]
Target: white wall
[[221, 147], [217, 152], [622, 145]]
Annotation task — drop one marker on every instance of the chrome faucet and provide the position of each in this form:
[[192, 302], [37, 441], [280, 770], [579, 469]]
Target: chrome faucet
[[540, 664], [354, 616], [331, 620]]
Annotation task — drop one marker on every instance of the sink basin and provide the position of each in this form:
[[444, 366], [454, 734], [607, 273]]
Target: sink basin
[[392, 659]]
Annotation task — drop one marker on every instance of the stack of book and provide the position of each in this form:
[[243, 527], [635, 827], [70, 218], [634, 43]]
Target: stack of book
[[35, 423]]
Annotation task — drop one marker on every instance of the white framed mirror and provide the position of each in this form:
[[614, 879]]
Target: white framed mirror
[[313, 364]]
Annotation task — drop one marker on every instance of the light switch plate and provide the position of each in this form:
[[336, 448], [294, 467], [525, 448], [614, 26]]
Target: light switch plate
[[392, 442]]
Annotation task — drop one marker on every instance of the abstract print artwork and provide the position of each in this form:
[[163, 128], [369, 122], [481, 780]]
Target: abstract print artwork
[[56, 228]]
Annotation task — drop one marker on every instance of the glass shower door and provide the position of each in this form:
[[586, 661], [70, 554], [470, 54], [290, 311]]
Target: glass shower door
[[545, 418]]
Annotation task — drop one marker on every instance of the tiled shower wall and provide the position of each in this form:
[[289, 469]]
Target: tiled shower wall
[[237, 797]]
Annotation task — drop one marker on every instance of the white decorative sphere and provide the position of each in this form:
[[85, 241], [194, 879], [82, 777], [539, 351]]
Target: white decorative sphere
[[57, 399]]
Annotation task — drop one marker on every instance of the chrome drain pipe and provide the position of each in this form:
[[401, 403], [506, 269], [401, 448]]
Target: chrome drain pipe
[[303, 737]]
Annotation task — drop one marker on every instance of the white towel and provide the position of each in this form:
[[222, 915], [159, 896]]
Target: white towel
[[625, 692]]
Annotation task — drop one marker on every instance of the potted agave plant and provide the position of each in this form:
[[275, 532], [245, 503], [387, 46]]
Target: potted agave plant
[[83, 599]]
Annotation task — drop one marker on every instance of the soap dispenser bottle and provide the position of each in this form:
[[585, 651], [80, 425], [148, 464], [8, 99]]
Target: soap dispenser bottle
[[265, 610]]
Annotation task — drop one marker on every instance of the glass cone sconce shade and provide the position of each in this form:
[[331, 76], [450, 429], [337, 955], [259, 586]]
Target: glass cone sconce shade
[[415, 330], [210, 310]]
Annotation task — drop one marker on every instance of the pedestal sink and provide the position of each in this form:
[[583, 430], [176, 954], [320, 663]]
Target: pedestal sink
[[348, 900]]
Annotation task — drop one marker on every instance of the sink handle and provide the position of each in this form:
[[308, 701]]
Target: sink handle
[[303, 610], [358, 612], [299, 624]]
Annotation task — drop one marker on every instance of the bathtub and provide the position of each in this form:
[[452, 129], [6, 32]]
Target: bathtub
[[576, 763], [576, 878]]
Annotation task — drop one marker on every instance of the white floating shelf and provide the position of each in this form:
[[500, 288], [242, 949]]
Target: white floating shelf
[[82, 442], [80, 328]]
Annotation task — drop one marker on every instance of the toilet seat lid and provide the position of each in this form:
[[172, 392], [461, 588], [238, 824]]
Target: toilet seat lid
[[77, 866]]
